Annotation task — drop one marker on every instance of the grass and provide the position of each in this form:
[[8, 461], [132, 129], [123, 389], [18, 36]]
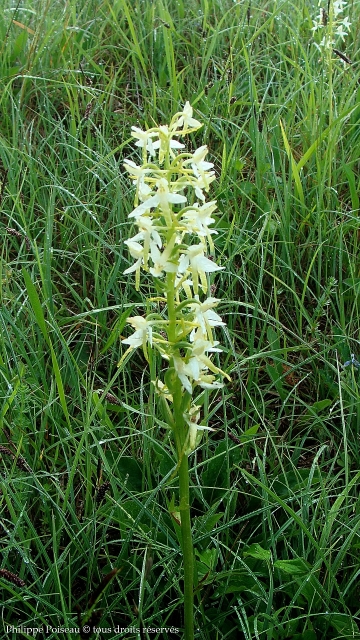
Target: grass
[[86, 465]]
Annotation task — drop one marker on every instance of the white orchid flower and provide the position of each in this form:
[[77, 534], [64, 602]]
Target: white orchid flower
[[144, 191], [200, 349], [193, 260], [136, 251], [208, 381], [142, 333], [183, 373], [162, 260], [166, 142], [186, 120], [205, 318], [197, 160], [144, 139], [136, 172], [191, 371], [202, 182], [148, 234], [195, 431], [199, 360], [198, 219], [340, 32], [162, 199]]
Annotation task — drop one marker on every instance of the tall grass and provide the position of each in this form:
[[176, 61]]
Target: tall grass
[[86, 469]]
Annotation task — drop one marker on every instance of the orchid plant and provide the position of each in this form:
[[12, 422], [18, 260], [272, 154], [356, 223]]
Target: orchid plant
[[332, 24], [172, 243]]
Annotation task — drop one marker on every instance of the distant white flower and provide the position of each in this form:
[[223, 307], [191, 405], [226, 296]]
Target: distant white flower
[[339, 31], [338, 7], [346, 24], [142, 333], [339, 25], [324, 44], [317, 24]]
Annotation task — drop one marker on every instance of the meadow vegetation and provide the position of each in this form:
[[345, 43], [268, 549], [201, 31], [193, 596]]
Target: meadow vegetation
[[87, 483]]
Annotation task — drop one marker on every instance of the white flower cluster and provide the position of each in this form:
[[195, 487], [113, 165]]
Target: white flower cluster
[[173, 237], [339, 24]]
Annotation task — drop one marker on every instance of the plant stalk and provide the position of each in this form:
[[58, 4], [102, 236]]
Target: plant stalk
[[187, 548], [181, 437]]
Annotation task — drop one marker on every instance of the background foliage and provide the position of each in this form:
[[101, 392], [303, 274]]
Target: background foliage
[[86, 465]]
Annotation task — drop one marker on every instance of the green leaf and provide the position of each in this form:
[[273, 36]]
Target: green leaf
[[294, 167], [256, 551], [352, 186], [131, 513], [273, 338], [343, 624], [116, 330], [206, 523], [165, 462], [275, 376], [288, 483], [36, 305], [293, 567], [321, 405], [19, 47], [131, 472], [216, 477], [40, 319], [15, 382], [207, 561], [354, 283], [249, 433], [305, 635]]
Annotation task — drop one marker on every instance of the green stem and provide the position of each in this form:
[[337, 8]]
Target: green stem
[[187, 548], [330, 146], [180, 435], [170, 295]]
